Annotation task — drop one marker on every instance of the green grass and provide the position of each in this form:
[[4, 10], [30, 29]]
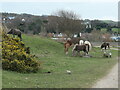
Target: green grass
[[116, 30], [85, 71]]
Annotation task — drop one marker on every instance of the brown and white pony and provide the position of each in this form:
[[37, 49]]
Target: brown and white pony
[[67, 44], [81, 42], [77, 48], [82, 46]]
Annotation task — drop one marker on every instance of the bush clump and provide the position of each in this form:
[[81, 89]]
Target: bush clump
[[16, 56]]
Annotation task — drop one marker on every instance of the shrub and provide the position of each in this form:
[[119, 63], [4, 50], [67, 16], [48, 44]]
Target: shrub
[[16, 56]]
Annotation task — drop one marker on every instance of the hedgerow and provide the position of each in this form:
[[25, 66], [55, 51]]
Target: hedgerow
[[16, 56]]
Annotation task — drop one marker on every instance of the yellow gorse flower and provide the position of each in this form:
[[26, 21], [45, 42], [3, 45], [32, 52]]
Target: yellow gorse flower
[[15, 57]]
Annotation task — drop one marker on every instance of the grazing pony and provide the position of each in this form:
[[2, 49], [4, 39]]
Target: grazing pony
[[15, 32], [67, 45], [82, 46], [105, 46], [77, 48]]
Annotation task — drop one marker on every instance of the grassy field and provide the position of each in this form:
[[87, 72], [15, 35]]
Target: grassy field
[[85, 71]]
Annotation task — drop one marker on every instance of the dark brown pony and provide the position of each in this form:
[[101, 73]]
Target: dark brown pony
[[67, 45], [15, 32], [77, 48], [105, 45]]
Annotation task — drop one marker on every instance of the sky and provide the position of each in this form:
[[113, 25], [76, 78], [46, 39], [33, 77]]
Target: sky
[[86, 9]]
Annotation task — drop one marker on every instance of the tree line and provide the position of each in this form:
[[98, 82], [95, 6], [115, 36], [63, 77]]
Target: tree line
[[62, 21]]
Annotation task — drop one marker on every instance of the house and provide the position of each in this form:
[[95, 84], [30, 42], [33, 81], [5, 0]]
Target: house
[[87, 22]]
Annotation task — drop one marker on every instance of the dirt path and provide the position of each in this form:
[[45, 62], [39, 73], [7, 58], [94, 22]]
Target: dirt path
[[110, 80]]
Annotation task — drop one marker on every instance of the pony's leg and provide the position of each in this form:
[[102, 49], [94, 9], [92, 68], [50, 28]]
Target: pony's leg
[[80, 54], [85, 52], [66, 51], [76, 53], [20, 37], [73, 53], [105, 47]]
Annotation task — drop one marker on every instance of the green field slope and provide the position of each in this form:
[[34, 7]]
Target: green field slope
[[84, 71]]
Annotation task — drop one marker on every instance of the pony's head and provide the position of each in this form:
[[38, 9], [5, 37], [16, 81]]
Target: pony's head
[[10, 31]]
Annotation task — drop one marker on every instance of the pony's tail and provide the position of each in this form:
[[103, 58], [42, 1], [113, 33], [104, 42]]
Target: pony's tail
[[88, 43], [87, 47], [90, 46]]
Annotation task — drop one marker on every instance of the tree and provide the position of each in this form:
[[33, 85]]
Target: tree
[[25, 22], [35, 26], [68, 22], [98, 24], [52, 26]]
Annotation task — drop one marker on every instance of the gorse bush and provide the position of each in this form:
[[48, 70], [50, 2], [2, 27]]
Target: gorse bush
[[16, 56]]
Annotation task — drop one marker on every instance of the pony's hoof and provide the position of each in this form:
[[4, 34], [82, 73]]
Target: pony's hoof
[[66, 53]]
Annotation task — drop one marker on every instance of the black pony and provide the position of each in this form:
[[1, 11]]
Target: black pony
[[15, 32], [105, 45], [105, 48]]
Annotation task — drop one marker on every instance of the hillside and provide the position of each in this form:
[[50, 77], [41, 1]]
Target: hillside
[[54, 63], [112, 23], [45, 24]]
